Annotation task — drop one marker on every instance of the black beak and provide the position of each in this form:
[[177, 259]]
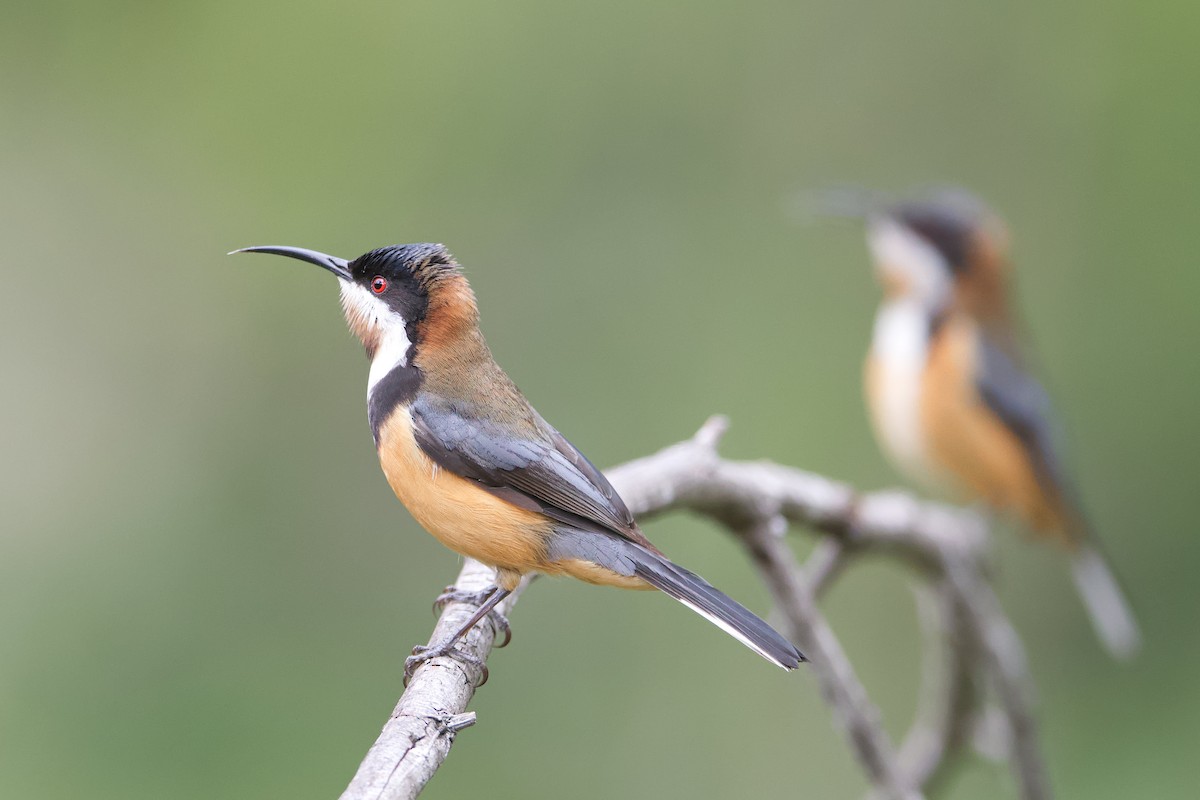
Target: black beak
[[848, 202], [338, 266]]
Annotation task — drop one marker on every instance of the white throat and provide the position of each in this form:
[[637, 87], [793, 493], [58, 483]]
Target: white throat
[[899, 350], [371, 319], [920, 280], [391, 353], [912, 262], [901, 335]]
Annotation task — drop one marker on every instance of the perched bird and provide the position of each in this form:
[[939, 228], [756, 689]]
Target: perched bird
[[951, 400], [477, 466]]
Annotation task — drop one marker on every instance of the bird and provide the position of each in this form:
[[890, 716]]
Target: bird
[[477, 466], [952, 401]]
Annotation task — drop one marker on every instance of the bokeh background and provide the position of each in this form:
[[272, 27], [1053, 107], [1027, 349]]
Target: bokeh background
[[206, 588]]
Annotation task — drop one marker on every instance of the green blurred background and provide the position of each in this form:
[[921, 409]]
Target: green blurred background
[[206, 587]]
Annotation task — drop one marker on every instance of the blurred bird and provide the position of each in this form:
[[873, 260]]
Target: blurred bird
[[951, 401], [475, 464]]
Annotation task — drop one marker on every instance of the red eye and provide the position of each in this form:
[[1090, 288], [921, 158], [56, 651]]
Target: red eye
[[379, 285]]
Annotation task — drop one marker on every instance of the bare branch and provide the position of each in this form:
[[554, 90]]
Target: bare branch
[[948, 695], [433, 709], [756, 501], [824, 565], [839, 684], [1005, 660]]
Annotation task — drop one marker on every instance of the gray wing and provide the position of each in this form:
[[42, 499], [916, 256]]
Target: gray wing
[[1021, 402], [535, 468]]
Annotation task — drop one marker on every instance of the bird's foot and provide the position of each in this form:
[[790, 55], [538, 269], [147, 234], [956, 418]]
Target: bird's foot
[[422, 653], [452, 594], [485, 603]]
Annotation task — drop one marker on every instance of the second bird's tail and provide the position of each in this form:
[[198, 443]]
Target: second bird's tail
[[1106, 604]]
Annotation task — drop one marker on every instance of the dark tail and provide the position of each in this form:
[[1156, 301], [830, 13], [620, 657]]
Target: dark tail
[[631, 559], [722, 611]]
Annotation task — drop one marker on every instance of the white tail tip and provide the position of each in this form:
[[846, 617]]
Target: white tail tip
[[1106, 604]]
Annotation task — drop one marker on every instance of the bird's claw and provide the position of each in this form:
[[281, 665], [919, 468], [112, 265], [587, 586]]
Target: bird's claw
[[452, 594], [422, 653]]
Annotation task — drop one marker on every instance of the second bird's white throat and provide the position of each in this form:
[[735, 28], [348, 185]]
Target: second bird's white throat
[[900, 349], [920, 283], [911, 261]]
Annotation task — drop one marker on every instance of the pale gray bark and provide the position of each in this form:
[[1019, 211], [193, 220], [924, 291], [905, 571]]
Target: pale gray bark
[[970, 643]]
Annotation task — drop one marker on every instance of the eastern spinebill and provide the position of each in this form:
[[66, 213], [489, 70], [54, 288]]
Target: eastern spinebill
[[951, 399], [476, 465]]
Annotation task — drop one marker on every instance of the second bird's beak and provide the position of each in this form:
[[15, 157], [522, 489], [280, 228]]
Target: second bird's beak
[[338, 266]]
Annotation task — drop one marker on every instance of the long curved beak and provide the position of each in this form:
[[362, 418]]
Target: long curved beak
[[338, 266], [847, 202]]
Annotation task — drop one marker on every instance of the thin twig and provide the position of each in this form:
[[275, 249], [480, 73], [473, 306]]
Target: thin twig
[[948, 693], [824, 565], [1005, 660], [835, 674]]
